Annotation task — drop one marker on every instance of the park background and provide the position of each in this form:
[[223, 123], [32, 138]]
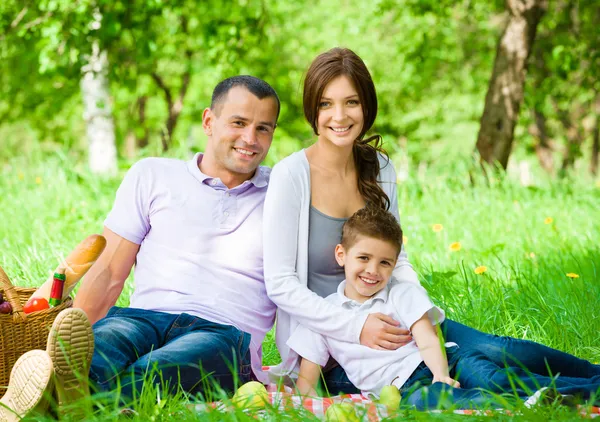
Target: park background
[[490, 111]]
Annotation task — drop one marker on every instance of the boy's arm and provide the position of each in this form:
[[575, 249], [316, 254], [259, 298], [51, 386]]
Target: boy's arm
[[308, 378], [431, 350]]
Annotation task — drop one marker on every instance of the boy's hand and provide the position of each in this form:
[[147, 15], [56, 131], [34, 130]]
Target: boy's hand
[[382, 332], [447, 380]]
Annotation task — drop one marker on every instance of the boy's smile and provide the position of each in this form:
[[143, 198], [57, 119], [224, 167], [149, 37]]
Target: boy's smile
[[368, 265]]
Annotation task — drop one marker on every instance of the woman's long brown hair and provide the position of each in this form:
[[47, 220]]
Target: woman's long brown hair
[[326, 67]]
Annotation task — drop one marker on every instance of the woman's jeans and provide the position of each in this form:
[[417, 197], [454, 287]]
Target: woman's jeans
[[535, 357], [134, 346], [482, 381]]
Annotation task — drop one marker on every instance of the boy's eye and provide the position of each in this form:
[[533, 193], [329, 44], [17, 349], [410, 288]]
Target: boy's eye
[[386, 263], [363, 258], [238, 123]]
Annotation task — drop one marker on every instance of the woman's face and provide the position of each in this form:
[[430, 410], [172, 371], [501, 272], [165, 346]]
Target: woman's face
[[341, 117]]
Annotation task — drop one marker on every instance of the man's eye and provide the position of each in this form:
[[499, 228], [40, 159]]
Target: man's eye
[[264, 129]]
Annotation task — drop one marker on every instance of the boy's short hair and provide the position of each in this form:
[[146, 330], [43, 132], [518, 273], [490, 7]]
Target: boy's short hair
[[375, 222]]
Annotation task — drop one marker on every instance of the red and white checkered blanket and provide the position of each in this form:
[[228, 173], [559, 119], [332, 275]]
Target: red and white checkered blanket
[[366, 409]]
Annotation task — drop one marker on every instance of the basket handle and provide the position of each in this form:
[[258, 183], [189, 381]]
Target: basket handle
[[12, 297]]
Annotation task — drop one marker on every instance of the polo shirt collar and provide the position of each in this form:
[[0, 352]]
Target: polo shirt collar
[[260, 179], [381, 295]]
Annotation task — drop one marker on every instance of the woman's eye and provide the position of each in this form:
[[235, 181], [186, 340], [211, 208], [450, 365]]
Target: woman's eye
[[353, 102], [323, 104]]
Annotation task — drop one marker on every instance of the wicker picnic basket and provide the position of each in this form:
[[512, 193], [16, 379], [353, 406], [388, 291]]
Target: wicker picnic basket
[[20, 333]]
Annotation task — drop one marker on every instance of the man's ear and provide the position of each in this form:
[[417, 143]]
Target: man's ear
[[207, 121], [340, 254]]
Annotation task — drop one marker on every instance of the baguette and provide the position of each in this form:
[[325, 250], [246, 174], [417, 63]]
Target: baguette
[[75, 265]]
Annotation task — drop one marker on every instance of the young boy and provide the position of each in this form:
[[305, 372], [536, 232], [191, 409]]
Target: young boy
[[371, 241]]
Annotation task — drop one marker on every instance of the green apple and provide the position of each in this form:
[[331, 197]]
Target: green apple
[[341, 412], [390, 397], [252, 395]]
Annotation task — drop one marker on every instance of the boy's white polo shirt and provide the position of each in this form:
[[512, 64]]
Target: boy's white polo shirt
[[370, 369]]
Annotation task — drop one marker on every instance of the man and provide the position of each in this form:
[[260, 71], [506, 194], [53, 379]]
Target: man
[[194, 231]]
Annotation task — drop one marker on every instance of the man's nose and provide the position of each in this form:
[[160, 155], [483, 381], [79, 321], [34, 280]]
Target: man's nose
[[250, 136]]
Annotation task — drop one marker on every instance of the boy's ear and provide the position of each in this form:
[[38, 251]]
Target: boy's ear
[[340, 254]]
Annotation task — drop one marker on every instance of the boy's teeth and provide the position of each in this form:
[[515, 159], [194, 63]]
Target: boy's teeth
[[368, 281], [343, 129]]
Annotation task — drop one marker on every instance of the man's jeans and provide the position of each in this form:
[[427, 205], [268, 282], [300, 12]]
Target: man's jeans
[[536, 357], [475, 372], [188, 352]]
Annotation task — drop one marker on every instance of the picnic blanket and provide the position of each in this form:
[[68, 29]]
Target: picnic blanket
[[282, 398]]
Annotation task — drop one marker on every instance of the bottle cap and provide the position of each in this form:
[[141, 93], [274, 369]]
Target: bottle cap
[[60, 276]]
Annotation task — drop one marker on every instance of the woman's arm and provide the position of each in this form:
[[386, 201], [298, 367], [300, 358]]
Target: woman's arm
[[308, 378], [432, 350], [281, 229]]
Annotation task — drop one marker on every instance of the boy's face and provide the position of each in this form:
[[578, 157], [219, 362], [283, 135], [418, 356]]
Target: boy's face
[[368, 265]]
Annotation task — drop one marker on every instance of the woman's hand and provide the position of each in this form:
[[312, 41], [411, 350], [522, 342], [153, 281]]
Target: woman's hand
[[447, 380], [382, 332]]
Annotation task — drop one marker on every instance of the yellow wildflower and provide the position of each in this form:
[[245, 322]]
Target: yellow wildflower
[[404, 240], [455, 247], [21, 176], [572, 275], [38, 180], [548, 220], [481, 269], [437, 228], [531, 255]]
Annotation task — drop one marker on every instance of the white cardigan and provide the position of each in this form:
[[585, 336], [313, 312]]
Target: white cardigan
[[285, 241]]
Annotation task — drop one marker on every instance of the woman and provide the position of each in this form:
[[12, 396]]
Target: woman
[[313, 191]]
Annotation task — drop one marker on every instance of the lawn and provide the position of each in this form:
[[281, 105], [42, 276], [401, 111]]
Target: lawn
[[506, 259]]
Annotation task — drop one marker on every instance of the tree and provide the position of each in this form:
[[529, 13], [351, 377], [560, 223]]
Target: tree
[[505, 92]]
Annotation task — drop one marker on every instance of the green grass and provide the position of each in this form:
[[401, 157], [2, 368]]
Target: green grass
[[48, 205]]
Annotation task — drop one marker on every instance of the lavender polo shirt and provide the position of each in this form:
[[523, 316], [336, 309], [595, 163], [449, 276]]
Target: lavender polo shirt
[[200, 245]]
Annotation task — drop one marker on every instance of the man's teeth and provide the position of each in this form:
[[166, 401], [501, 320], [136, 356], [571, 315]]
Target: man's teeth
[[340, 129], [368, 280], [243, 151]]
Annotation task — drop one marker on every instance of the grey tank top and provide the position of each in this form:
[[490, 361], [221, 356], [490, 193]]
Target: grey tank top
[[324, 233]]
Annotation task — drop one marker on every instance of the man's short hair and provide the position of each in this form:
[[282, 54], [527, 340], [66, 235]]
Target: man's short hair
[[256, 86], [372, 221]]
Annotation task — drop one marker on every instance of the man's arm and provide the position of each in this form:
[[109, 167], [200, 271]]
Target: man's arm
[[431, 350], [104, 281], [308, 378]]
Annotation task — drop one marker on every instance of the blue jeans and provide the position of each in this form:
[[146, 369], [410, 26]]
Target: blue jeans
[[536, 357], [177, 350], [476, 373]]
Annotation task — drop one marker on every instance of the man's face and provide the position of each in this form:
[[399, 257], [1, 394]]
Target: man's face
[[240, 132]]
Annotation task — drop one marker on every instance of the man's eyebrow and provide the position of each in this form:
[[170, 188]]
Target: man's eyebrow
[[244, 119]]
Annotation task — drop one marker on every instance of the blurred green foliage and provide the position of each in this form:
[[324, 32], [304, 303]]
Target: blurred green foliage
[[431, 62]]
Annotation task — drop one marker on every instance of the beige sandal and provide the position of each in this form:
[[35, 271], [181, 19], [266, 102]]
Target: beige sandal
[[29, 388], [71, 346]]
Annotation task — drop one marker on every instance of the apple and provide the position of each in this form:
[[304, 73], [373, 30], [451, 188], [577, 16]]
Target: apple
[[252, 395], [390, 397], [341, 412]]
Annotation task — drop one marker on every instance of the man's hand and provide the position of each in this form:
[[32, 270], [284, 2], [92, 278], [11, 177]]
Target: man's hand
[[447, 380], [382, 332]]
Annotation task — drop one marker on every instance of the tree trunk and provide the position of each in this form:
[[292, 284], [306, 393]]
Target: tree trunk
[[98, 114], [505, 91], [543, 149], [596, 139]]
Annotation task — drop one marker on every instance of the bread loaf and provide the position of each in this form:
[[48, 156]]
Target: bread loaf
[[75, 265]]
